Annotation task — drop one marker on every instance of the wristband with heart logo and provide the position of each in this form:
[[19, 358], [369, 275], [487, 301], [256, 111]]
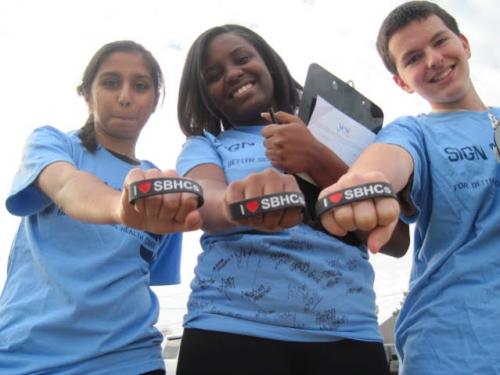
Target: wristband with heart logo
[[266, 203], [165, 185], [354, 194]]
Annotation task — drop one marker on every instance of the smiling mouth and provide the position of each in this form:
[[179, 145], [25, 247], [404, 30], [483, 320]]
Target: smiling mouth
[[242, 90], [443, 75], [125, 118]]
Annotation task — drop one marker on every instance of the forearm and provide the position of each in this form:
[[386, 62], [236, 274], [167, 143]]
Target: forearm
[[325, 166], [392, 161], [79, 194], [88, 199]]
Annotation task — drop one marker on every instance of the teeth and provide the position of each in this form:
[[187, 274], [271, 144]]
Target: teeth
[[242, 89], [442, 75]]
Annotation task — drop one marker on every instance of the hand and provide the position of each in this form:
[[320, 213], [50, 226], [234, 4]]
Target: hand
[[290, 146], [377, 216], [165, 213], [255, 185]]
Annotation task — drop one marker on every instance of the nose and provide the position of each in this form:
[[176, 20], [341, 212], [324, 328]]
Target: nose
[[124, 96], [233, 73], [434, 59]]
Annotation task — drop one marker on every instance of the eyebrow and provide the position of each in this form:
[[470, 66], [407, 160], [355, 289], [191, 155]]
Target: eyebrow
[[118, 74], [439, 34]]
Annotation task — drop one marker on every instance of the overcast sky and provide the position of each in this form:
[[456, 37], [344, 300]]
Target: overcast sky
[[47, 44]]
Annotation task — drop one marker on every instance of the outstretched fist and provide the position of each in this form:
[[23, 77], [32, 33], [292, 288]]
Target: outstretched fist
[[367, 204], [281, 210], [159, 213]]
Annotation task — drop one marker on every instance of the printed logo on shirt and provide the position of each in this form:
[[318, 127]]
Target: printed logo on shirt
[[238, 162], [472, 152], [152, 241], [239, 146]]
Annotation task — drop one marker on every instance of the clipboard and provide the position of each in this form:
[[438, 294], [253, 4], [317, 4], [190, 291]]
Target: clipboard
[[345, 98]]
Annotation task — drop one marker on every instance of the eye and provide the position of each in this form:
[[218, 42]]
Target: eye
[[142, 86], [212, 75], [110, 82], [242, 59], [440, 41], [412, 59]]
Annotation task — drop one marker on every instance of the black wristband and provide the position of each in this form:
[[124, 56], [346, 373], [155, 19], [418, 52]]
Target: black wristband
[[166, 185], [266, 203], [354, 194]]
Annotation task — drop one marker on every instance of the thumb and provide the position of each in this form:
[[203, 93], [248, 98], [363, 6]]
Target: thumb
[[193, 221], [379, 236], [285, 117]]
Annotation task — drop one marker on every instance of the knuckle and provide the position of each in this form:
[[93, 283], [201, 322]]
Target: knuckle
[[365, 221], [343, 216]]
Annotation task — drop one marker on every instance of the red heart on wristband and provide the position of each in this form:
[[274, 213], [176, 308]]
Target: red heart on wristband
[[145, 186], [336, 197], [252, 206]]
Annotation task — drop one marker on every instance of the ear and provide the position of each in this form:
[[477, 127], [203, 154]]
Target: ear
[[465, 44], [402, 84]]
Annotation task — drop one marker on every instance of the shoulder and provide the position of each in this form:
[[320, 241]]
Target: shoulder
[[401, 127], [49, 130], [405, 121], [48, 134]]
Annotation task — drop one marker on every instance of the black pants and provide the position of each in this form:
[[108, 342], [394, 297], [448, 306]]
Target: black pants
[[210, 352]]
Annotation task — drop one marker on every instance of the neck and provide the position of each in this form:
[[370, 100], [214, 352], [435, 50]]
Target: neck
[[470, 102], [125, 147]]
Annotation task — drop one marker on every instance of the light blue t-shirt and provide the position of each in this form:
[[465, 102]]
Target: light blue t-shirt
[[299, 284], [449, 323], [77, 298]]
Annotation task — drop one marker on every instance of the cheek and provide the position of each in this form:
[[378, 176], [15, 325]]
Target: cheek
[[269, 83], [98, 105], [214, 93], [414, 78], [148, 108]]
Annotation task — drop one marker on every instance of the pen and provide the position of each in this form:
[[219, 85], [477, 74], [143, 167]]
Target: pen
[[273, 116]]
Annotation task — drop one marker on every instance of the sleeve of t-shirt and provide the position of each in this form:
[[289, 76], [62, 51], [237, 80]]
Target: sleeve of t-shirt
[[195, 151], [165, 269], [406, 133], [44, 146]]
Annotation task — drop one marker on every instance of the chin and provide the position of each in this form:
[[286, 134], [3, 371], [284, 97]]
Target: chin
[[249, 117]]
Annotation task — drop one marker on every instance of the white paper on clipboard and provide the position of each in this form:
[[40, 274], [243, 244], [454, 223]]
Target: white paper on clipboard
[[339, 132]]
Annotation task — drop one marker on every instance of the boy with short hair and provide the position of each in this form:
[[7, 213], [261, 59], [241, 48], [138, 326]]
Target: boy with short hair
[[445, 167]]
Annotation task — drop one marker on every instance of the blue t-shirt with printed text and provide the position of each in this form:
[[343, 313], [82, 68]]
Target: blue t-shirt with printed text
[[299, 284], [77, 298], [449, 321]]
